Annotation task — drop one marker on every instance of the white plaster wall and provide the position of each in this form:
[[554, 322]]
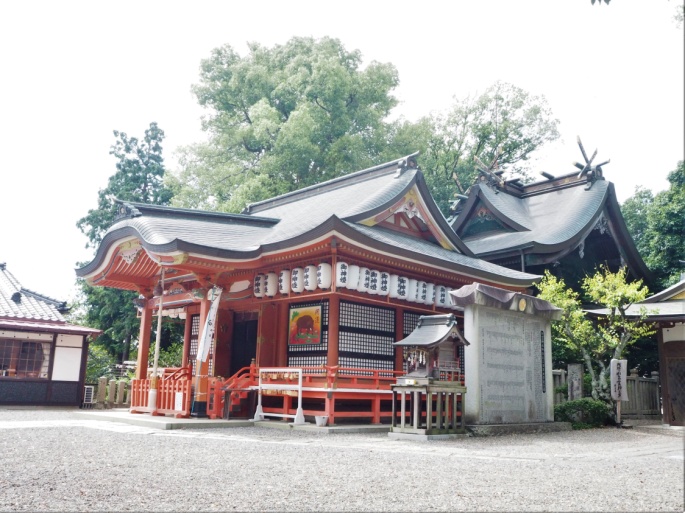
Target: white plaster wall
[[67, 366], [472, 365], [69, 340], [677, 332]]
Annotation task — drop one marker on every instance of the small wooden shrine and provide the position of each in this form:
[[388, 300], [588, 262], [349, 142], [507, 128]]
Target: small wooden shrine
[[431, 394]]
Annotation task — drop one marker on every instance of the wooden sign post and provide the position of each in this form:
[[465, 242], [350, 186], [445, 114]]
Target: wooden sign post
[[619, 391]]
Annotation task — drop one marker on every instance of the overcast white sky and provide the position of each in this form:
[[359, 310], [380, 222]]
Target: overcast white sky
[[72, 72]]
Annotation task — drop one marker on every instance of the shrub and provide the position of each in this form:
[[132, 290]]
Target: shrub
[[583, 413]]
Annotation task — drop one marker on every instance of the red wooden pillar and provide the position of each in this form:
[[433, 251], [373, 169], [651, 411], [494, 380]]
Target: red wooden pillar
[[333, 322], [202, 368], [399, 335], [144, 342], [283, 335]]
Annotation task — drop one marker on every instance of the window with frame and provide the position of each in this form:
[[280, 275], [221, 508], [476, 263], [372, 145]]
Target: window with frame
[[24, 358]]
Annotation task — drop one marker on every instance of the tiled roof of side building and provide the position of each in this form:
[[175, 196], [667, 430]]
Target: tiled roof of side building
[[20, 303]]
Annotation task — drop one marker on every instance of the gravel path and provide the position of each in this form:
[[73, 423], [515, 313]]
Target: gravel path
[[53, 460]]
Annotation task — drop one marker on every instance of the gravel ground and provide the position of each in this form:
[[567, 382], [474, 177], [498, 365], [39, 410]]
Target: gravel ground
[[54, 460]]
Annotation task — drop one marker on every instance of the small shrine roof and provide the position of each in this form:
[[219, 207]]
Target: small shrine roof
[[667, 305], [431, 330], [494, 297]]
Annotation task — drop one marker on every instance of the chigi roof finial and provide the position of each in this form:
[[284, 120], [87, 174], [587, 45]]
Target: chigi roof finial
[[593, 173]]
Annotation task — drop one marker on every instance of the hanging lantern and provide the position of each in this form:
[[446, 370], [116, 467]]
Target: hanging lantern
[[364, 279], [402, 287], [392, 285], [352, 277], [309, 277], [441, 296], [323, 276], [430, 293], [383, 283], [342, 274], [258, 285], [412, 287], [271, 284], [421, 292], [284, 281], [374, 281], [297, 280]]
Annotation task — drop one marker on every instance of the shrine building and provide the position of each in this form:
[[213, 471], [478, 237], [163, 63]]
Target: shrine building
[[324, 279]]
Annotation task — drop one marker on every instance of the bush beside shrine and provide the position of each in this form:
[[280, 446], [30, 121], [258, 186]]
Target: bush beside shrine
[[583, 413]]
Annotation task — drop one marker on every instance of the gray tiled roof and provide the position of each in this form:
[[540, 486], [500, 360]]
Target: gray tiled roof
[[297, 217], [450, 259], [26, 304], [552, 219]]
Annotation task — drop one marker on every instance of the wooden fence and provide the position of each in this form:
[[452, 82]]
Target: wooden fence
[[644, 394]]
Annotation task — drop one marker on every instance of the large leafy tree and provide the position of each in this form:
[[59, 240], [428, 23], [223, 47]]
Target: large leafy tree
[[504, 124], [657, 225], [282, 118], [139, 177], [597, 341]]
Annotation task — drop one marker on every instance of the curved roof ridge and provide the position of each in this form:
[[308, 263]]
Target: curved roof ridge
[[331, 184]]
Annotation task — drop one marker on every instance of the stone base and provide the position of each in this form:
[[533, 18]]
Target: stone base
[[425, 438], [512, 429]]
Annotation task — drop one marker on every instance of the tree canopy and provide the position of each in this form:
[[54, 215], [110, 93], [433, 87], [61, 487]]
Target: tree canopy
[[657, 225], [597, 341], [297, 114], [282, 118], [139, 177], [505, 123]]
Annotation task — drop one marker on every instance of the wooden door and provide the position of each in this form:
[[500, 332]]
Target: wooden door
[[243, 344]]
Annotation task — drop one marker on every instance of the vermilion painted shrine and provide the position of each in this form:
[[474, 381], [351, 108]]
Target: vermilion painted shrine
[[325, 280]]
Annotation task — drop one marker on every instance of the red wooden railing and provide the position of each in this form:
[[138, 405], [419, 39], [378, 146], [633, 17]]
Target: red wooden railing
[[173, 382]]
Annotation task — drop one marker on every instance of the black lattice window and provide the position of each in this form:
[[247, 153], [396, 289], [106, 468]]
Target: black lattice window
[[365, 336], [310, 354], [411, 320], [194, 335]]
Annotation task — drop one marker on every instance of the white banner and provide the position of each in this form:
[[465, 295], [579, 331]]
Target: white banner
[[619, 372], [205, 341]]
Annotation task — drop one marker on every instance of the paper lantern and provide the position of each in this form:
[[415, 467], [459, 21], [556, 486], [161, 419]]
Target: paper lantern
[[284, 281], [323, 276], [393, 286], [421, 292], [309, 277], [258, 288], [271, 284], [383, 283], [342, 274], [374, 281], [430, 293], [412, 287], [352, 277], [364, 279], [297, 280], [440, 296]]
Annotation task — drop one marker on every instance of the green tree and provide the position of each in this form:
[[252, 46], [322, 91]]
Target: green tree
[[604, 338], [139, 177], [282, 118], [504, 123], [657, 225]]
